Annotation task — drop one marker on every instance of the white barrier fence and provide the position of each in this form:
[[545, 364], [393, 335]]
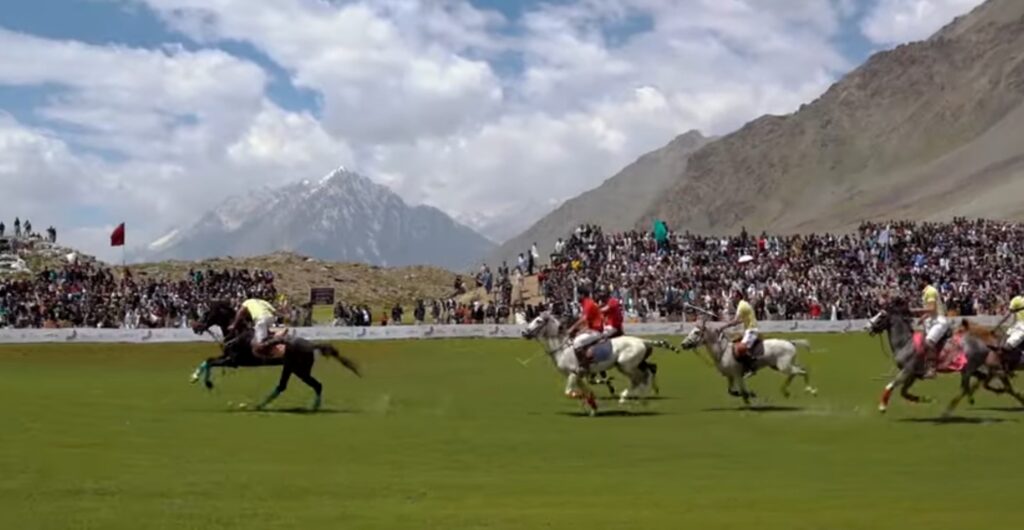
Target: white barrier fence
[[323, 333]]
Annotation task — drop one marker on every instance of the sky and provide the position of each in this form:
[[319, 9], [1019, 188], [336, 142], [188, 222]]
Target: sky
[[151, 112]]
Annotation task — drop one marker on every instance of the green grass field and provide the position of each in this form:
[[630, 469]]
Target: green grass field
[[457, 434]]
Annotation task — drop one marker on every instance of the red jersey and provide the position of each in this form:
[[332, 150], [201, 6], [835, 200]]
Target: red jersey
[[592, 313], [613, 315]]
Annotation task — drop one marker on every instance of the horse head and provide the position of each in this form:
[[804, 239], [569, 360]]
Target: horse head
[[702, 333], [695, 337], [219, 314], [879, 323], [545, 326]]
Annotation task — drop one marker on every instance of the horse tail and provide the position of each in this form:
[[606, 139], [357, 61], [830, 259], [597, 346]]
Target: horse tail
[[328, 350], [660, 344], [801, 343]]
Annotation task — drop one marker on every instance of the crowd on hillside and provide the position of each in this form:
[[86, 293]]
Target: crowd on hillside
[[22, 230], [88, 295], [974, 263]]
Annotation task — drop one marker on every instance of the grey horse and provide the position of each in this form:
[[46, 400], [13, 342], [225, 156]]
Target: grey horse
[[981, 362]]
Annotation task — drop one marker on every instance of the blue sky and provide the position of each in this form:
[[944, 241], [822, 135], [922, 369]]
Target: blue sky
[[153, 111]]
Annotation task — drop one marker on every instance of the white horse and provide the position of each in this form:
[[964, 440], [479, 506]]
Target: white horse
[[779, 355], [627, 354]]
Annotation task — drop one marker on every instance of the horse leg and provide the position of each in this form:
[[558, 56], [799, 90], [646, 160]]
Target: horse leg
[[883, 404], [1005, 378], [965, 390], [808, 388], [205, 370], [744, 393], [974, 388], [653, 380], [307, 377], [785, 384], [588, 397], [905, 392], [282, 384]]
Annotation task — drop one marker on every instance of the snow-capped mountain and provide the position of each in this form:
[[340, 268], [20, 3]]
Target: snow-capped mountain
[[343, 216]]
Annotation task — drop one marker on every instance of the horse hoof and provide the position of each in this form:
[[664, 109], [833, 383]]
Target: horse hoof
[[882, 409], [194, 379], [208, 384], [812, 391]]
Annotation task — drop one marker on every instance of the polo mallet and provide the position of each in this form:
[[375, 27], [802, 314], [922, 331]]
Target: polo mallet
[[699, 309]]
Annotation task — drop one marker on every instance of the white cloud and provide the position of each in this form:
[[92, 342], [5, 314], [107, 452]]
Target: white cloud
[[179, 130], [489, 118], [897, 21]]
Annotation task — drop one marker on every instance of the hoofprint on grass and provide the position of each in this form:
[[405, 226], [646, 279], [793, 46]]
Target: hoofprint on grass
[[629, 355]]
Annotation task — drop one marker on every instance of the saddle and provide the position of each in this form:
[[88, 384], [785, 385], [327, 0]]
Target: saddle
[[741, 351], [600, 352], [951, 358]]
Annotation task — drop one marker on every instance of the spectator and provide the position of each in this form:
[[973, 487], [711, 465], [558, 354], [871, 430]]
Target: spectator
[[17, 227], [419, 313], [396, 314], [2, 228]]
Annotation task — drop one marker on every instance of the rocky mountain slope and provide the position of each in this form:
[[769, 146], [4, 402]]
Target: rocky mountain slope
[[928, 130], [342, 217]]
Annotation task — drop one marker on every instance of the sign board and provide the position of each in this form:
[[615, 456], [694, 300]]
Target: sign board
[[321, 295]]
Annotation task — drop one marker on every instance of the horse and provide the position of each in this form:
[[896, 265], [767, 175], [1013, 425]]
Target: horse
[[779, 355], [295, 355], [629, 355], [976, 358]]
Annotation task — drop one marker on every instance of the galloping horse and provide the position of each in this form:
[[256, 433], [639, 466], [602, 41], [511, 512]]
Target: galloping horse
[[627, 354], [976, 359], [779, 355], [985, 362], [294, 355]]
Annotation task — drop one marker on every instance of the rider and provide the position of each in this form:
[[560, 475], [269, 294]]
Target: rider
[[613, 318], [745, 348], [262, 315], [934, 320], [1015, 337], [591, 321]]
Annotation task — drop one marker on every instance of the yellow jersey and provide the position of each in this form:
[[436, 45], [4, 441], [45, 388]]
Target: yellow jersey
[[745, 314], [258, 308], [930, 296], [1016, 304]]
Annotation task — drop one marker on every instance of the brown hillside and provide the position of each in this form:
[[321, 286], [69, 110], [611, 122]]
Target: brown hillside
[[353, 283], [927, 130]]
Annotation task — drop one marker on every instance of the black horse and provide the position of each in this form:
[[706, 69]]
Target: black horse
[[296, 359]]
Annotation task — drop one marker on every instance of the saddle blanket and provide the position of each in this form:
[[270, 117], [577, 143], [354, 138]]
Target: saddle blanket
[[952, 357], [601, 352]]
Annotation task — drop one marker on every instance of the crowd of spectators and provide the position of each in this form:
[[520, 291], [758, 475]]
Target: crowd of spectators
[[974, 263], [89, 295]]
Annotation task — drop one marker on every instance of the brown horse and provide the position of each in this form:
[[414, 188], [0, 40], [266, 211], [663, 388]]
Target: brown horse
[[296, 359]]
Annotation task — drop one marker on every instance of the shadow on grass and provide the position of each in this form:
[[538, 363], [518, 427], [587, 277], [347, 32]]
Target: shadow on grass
[[756, 408], [292, 410], [613, 414], [648, 398], [1003, 409], [954, 420]]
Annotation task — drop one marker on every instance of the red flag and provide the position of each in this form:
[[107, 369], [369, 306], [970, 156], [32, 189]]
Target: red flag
[[117, 236]]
